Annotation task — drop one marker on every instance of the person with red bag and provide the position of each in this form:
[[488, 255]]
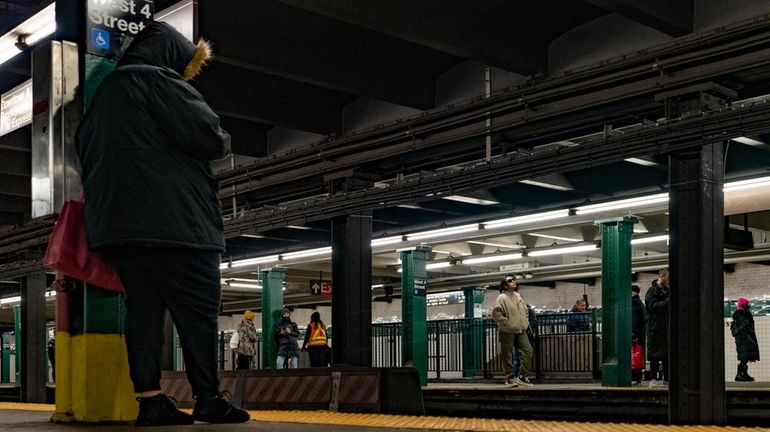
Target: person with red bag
[[145, 146]]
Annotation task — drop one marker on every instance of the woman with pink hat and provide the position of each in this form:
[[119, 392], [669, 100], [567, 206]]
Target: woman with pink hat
[[745, 339]]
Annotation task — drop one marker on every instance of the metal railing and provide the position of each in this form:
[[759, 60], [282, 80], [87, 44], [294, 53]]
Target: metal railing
[[566, 346]]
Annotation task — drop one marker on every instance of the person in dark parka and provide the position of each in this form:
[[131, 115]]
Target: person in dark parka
[[638, 321], [145, 146], [746, 344], [656, 304]]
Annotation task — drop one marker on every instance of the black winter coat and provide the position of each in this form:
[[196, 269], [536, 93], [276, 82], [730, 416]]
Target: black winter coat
[[745, 338], [145, 145], [656, 303], [638, 321]]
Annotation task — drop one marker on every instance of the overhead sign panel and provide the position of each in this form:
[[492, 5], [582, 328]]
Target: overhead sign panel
[[112, 23], [16, 108]]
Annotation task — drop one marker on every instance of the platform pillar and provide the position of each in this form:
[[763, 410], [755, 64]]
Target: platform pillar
[[414, 341], [272, 304], [696, 257], [33, 337], [472, 331], [616, 302], [17, 341]]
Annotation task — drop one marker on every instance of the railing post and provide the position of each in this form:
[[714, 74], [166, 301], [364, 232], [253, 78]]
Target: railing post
[[437, 352], [485, 357], [536, 348]]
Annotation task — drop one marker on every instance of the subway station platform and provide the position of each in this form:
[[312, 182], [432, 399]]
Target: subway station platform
[[26, 417], [480, 406]]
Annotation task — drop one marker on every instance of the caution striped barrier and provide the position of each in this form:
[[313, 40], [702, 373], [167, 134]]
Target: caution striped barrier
[[365, 390]]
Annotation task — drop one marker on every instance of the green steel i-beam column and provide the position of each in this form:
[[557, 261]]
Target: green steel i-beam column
[[414, 341], [472, 331], [17, 343], [272, 303], [616, 300]]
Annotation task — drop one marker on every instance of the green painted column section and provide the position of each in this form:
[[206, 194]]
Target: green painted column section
[[616, 300], [272, 303], [473, 330], [17, 343], [414, 341], [5, 372], [104, 312], [175, 352]]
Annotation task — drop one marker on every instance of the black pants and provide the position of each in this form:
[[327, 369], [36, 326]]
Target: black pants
[[317, 356], [654, 367], [184, 282], [243, 362]]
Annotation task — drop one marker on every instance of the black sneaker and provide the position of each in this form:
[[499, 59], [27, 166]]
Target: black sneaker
[[160, 410], [217, 410]]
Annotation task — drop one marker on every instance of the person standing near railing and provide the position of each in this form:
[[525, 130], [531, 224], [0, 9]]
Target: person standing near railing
[[746, 344], [247, 337], [286, 334], [316, 342], [656, 302], [638, 326], [511, 315], [577, 320]]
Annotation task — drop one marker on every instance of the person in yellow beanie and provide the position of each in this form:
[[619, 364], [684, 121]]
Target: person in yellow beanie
[[247, 338]]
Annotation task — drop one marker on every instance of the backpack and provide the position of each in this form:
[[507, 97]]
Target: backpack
[[234, 340]]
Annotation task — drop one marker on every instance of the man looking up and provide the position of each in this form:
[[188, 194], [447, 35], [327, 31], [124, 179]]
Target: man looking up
[[510, 313]]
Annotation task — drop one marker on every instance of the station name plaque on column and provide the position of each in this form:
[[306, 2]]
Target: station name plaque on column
[[111, 24]]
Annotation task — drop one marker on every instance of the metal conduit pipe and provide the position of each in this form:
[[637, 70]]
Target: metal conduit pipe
[[713, 127]]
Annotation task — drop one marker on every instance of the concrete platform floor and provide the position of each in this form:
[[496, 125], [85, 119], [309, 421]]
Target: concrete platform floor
[[29, 417]]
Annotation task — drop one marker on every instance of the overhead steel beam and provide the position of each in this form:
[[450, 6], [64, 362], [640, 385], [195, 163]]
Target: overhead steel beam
[[674, 18], [244, 94], [715, 127], [433, 24], [248, 137]]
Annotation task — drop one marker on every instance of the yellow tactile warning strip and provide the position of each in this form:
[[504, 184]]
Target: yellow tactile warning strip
[[27, 406], [439, 423], [469, 424]]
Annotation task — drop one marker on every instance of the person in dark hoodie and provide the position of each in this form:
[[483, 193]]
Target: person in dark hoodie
[[286, 334], [638, 326], [656, 302], [746, 344], [145, 146]]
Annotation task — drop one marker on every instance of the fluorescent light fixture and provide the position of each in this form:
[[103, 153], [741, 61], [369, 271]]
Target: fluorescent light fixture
[[253, 281], [548, 236], [562, 250], [443, 232], [34, 29], [493, 258], [747, 184], [410, 206], [441, 252], [378, 286], [307, 253], [498, 245], [256, 236], [245, 285], [622, 204], [653, 239], [387, 240], [748, 141], [252, 261], [470, 200], [642, 162], [11, 300], [520, 220], [298, 227], [546, 185], [431, 266]]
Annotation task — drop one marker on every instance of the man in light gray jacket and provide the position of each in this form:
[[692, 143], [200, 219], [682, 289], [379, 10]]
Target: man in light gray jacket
[[511, 315]]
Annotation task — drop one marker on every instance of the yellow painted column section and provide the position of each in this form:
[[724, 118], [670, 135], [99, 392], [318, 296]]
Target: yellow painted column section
[[63, 411], [99, 387]]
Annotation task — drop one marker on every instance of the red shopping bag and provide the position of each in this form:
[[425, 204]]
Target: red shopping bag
[[68, 251], [637, 356]]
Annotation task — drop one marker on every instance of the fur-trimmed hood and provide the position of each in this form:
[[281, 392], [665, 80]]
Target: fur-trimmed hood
[[160, 44]]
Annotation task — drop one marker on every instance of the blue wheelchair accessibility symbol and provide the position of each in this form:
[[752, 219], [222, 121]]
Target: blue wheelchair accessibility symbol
[[100, 39]]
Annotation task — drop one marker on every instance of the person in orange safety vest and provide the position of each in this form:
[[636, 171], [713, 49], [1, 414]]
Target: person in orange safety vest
[[316, 342]]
